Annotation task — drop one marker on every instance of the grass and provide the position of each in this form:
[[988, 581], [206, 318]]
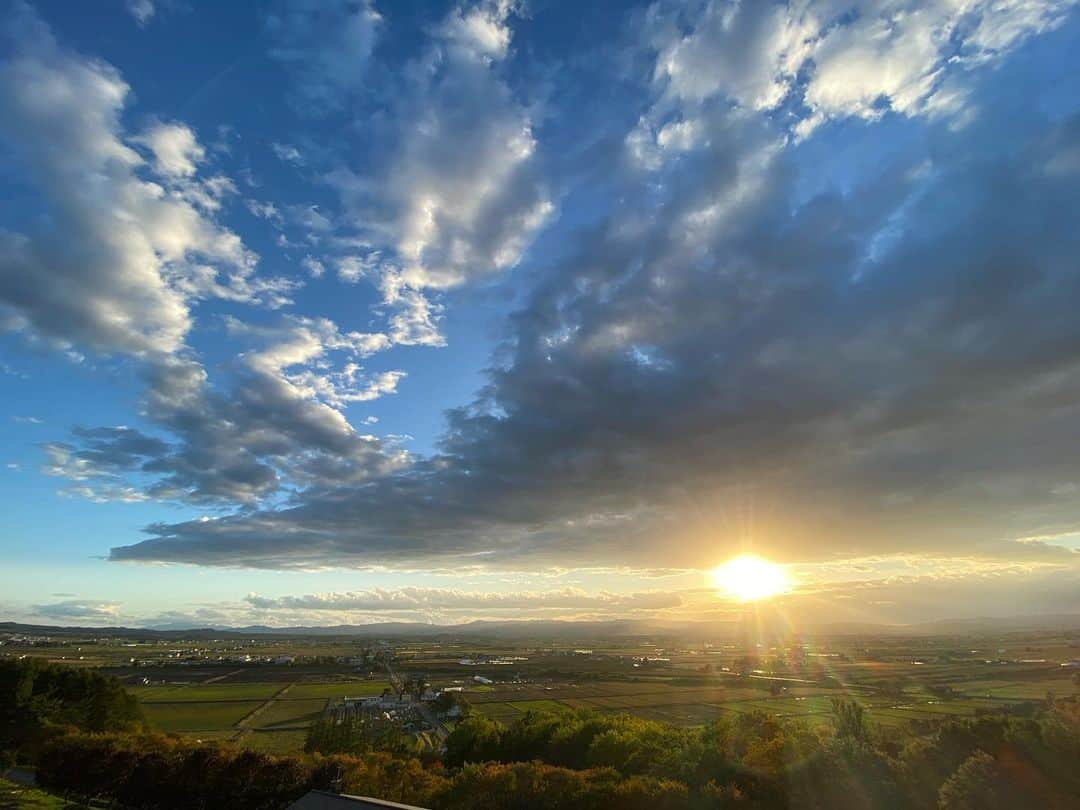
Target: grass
[[197, 693], [191, 716], [287, 711], [17, 797], [274, 742]]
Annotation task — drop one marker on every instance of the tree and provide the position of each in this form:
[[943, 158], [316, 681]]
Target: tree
[[474, 739], [977, 785], [36, 695], [849, 721]]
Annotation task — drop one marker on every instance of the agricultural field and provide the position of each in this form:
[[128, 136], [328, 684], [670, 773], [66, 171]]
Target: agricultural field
[[926, 679], [19, 797], [271, 716], [263, 692], [194, 716]]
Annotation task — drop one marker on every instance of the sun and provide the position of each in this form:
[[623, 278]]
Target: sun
[[750, 578]]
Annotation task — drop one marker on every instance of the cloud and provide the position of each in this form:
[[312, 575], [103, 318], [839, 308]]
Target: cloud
[[141, 10], [280, 424], [430, 601], [859, 59], [462, 194], [314, 267], [287, 153], [265, 210], [351, 269], [78, 609], [326, 46], [725, 362], [115, 263], [176, 150]]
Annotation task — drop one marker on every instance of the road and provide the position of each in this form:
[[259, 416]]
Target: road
[[430, 720]]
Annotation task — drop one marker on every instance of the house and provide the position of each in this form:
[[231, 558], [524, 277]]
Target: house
[[325, 800]]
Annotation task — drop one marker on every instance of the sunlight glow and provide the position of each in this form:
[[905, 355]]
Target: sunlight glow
[[750, 578]]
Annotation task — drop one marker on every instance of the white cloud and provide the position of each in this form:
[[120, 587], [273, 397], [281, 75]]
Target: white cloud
[[351, 269], [141, 10], [265, 210], [131, 252], [299, 340], [859, 58], [482, 30], [748, 51], [287, 153], [462, 195], [176, 151], [314, 267]]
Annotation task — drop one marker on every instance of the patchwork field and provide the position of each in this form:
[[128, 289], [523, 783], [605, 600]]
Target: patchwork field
[[210, 690], [194, 716], [270, 717]]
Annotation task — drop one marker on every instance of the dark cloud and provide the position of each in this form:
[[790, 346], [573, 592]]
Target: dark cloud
[[273, 428], [717, 362]]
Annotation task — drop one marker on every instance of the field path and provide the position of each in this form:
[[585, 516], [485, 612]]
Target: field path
[[217, 678], [243, 725]]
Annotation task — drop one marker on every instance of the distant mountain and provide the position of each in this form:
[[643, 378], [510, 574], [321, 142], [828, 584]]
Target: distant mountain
[[569, 630]]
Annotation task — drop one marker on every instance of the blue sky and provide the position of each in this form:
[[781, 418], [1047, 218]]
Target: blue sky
[[321, 312]]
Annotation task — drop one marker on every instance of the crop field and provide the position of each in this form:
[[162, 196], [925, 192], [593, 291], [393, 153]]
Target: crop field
[[289, 712], [205, 693], [269, 716], [194, 716], [263, 692], [927, 679]]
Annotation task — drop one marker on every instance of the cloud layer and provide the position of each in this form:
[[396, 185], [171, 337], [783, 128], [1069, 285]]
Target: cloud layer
[[813, 296], [726, 361]]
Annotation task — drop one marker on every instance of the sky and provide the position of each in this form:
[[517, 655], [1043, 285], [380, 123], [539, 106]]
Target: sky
[[353, 311]]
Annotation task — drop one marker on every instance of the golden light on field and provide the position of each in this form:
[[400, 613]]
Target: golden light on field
[[750, 578]]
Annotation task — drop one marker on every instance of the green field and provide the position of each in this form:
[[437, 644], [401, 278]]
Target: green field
[[17, 797], [200, 693], [669, 702], [193, 716], [279, 712], [288, 711]]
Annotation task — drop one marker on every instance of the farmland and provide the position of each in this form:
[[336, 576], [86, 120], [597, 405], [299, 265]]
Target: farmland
[[264, 693], [896, 680], [271, 717]]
